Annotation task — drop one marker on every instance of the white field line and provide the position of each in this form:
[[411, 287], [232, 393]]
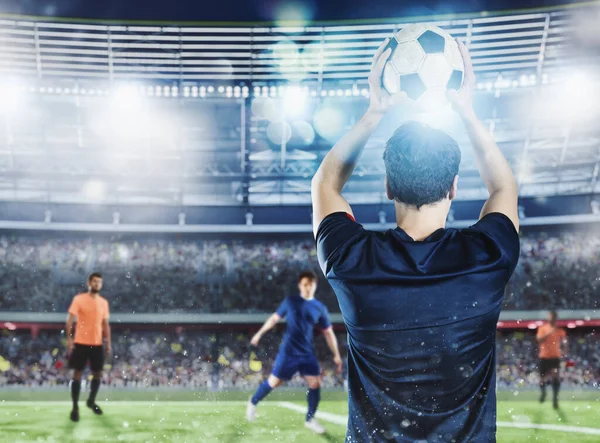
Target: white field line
[[342, 420], [200, 403]]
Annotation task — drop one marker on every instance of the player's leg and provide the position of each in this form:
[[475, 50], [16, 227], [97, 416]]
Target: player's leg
[[543, 380], [555, 375], [311, 371], [97, 364], [77, 361], [263, 390]]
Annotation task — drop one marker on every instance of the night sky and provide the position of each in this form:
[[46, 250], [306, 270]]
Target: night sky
[[254, 10]]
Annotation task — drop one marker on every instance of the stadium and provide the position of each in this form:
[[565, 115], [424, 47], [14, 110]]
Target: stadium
[[175, 157]]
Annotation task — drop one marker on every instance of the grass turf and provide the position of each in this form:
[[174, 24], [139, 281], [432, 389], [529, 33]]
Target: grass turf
[[224, 421]]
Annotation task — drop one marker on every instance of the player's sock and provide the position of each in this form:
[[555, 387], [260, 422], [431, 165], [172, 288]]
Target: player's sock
[[94, 386], [313, 397], [555, 389], [543, 389], [263, 390], [75, 389]]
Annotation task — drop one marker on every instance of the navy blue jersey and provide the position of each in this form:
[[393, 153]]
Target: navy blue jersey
[[421, 319], [302, 316]]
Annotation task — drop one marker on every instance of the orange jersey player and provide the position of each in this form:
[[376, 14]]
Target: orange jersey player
[[552, 341], [92, 313]]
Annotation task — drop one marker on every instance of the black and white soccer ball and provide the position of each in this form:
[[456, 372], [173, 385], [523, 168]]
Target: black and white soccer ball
[[425, 63]]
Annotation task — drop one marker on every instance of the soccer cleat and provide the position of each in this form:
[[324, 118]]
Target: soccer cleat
[[555, 403], [95, 408], [251, 411], [314, 426], [543, 397], [75, 415]]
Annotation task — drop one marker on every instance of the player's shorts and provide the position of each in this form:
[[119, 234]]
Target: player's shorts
[[547, 364], [81, 354], [286, 366]]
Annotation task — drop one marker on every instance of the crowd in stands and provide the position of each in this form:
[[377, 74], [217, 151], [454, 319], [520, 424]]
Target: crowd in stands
[[558, 270], [146, 359], [222, 360]]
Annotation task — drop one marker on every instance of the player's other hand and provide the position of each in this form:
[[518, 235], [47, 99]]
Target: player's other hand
[[462, 100], [338, 364], [70, 345], [380, 100], [255, 340], [108, 349]]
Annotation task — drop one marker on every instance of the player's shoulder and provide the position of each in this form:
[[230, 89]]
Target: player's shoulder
[[79, 296], [103, 299]]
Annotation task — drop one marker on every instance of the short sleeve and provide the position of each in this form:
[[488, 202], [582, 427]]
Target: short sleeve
[[324, 320], [540, 332], [563, 333], [106, 311], [334, 232], [501, 230], [283, 308], [74, 308]]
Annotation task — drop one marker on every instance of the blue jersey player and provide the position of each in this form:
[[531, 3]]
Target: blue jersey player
[[420, 301], [296, 353]]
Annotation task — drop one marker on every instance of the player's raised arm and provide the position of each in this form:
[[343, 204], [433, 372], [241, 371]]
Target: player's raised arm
[[339, 163], [267, 326], [493, 167]]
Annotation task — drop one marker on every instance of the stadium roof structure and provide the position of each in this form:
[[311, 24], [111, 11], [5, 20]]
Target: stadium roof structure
[[188, 115]]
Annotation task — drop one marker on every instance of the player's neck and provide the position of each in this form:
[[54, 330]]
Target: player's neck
[[93, 294], [308, 299], [421, 223]]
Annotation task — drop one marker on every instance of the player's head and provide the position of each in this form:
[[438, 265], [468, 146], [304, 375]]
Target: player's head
[[552, 316], [307, 284], [421, 165], [95, 282]]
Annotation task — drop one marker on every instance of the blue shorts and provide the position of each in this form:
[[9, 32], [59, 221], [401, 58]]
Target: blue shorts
[[286, 366]]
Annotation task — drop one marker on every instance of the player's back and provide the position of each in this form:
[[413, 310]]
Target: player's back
[[421, 319]]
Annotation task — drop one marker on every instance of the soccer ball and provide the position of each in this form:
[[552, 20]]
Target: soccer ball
[[425, 63]]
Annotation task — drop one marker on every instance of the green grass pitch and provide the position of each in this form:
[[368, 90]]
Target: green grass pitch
[[204, 418]]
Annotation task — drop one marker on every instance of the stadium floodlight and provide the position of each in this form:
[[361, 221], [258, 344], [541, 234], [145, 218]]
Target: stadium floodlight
[[126, 96], [329, 123], [94, 189], [294, 101], [12, 97]]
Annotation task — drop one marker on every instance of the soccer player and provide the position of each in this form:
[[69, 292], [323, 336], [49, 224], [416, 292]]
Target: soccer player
[[91, 311], [296, 353], [550, 338], [420, 301]]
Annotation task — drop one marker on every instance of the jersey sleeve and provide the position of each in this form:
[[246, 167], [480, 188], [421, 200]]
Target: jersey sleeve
[[282, 310], [540, 331], [334, 232], [74, 308], [501, 230], [324, 320], [563, 334]]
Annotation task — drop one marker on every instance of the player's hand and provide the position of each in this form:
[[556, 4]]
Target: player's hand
[[380, 100], [70, 345], [108, 349], [462, 100], [338, 364], [255, 340]]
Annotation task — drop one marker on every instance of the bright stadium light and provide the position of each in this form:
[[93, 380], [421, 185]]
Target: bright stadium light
[[94, 189], [12, 97], [127, 97], [294, 101]]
